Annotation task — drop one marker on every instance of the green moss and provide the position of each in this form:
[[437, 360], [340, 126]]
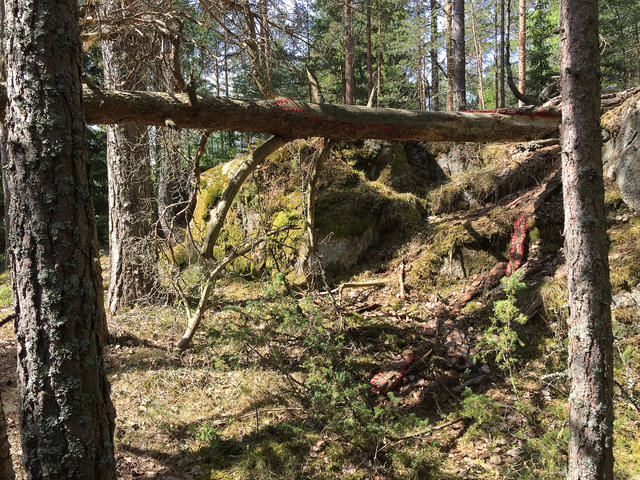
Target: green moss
[[6, 290]]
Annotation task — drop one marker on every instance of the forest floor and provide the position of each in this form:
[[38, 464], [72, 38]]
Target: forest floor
[[276, 384]]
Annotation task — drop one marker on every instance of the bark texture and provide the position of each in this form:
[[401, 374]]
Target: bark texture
[[6, 467], [435, 99], [458, 45], [349, 56], [586, 248], [309, 119], [66, 416], [522, 48], [131, 249]]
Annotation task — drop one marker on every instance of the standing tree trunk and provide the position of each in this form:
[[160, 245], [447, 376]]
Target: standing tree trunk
[[369, 52], [449, 53], [502, 53], [131, 249], [435, 84], [478, 50], [6, 467], [586, 248], [522, 49], [349, 56], [66, 416], [459, 88], [379, 62], [496, 56], [420, 73]]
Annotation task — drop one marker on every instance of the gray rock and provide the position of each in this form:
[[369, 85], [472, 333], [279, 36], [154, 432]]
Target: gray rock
[[621, 151]]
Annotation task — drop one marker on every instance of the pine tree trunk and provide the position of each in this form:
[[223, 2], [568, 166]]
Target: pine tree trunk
[[369, 52], [586, 248], [459, 57], [496, 56], [522, 49], [6, 467], [131, 248], [420, 72], [435, 84], [66, 416], [502, 53], [379, 62], [476, 45], [349, 56], [449, 52]]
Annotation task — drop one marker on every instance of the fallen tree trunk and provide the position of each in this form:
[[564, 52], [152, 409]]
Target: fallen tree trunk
[[292, 119]]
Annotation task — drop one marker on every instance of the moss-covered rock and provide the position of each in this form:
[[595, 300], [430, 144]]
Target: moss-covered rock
[[352, 212]]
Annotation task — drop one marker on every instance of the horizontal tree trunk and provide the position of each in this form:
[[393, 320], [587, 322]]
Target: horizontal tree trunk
[[293, 119]]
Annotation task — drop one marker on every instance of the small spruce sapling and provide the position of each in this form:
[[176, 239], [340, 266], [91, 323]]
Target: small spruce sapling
[[500, 339]]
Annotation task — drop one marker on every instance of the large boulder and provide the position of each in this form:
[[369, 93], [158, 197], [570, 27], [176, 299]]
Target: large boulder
[[621, 149]]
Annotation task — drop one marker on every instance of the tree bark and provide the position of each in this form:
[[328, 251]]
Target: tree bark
[[369, 52], [502, 53], [349, 56], [6, 466], [379, 62], [435, 84], [449, 53], [478, 56], [293, 119], [496, 56], [131, 250], [459, 57], [66, 416], [586, 248], [522, 49], [312, 120]]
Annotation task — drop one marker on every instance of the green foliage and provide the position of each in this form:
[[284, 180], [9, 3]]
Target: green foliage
[[542, 55], [501, 340]]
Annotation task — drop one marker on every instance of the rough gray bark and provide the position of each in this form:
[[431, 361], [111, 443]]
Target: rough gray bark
[[131, 249], [65, 414], [459, 56], [6, 467], [586, 248]]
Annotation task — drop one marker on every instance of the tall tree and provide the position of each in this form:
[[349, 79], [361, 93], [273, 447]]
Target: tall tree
[[369, 52], [449, 52], [478, 49], [459, 56], [66, 416], [586, 248], [435, 84], [522, 49], [6, 467], [349, 56], [502, 53], [131, 249]]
